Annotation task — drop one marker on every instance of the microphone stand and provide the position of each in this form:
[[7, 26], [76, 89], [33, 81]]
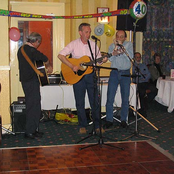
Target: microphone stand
[[92, 133], [136, 132], [97, 84]]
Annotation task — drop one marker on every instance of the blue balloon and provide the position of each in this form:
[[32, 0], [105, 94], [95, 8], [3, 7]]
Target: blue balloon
[[99, 30]]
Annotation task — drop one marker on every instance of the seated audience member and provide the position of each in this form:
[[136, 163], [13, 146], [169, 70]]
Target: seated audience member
[[142, 80], [156, 69]]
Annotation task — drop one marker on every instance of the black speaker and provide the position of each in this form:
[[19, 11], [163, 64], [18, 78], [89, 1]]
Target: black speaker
[[54, 78], [125, 22], [18, 114]]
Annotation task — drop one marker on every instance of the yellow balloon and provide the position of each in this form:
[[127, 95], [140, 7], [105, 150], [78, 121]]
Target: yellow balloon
[[109, 30]]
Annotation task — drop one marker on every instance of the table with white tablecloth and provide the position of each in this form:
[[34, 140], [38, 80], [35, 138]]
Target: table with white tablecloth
[[165, 94], [63, 97]]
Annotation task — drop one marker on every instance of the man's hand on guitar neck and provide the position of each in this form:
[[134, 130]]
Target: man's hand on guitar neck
[[49, 67]]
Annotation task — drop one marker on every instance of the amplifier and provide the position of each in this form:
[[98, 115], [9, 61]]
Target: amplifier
[[18, 107], [54, 78], [18, 114]]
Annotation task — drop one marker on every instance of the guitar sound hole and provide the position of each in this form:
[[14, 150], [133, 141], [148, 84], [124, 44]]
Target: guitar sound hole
[[80, 72]]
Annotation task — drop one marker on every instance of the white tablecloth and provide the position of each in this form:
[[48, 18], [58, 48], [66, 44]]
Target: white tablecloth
[[63, 96], [165, 94]]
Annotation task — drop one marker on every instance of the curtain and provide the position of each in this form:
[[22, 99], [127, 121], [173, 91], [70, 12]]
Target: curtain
[[159, 34]]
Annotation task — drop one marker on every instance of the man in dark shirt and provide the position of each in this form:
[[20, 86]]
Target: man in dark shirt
[[30, 83], [142, 81]]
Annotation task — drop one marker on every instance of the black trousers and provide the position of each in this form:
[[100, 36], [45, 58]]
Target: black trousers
[[142, 87], [144, 97], [33, 105]]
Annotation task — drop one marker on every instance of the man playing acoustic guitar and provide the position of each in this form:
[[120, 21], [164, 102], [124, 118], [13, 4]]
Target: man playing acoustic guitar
[[27, 56], [78, 48]]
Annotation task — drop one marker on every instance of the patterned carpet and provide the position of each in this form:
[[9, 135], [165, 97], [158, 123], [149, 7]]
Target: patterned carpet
[[61, 134]]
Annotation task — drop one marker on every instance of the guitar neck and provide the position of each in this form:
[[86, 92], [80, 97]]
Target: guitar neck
[[99, 59], [41, 67]]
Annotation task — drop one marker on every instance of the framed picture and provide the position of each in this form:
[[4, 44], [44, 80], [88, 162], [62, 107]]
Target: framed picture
[[102, 9], [102, 19]]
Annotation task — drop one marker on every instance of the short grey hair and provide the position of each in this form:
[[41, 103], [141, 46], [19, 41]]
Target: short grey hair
[[83, 25], [33, 37]]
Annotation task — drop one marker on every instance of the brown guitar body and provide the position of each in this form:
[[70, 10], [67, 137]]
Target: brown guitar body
[[70, 76]]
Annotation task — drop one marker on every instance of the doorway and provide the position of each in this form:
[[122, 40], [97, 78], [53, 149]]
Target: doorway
[[44, 28], [56, 36]]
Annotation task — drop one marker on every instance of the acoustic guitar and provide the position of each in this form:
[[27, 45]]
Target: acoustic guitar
[[85, 67], [41, 67]]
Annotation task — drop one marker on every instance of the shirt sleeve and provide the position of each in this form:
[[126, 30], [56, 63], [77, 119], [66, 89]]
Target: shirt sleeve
[[121, 61], [67, 50], [129, 49], [40, 56]]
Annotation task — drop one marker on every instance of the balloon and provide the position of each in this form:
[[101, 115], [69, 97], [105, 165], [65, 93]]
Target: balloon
[[138, 9], [109, 30], [99, 30], [14, 34]]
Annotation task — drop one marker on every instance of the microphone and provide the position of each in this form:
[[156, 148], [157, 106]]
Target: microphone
[[95, 38], [118, 44]]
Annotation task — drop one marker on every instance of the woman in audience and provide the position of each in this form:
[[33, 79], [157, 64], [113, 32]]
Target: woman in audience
[[156, 69]]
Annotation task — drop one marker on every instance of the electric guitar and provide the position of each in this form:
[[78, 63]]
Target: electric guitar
[[41, 67], [85, 67]]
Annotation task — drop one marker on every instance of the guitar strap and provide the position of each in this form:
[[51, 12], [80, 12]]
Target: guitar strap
[[30, 62], [90, 50]]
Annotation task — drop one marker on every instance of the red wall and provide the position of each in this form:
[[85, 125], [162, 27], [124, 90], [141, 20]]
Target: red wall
[[44, 28]]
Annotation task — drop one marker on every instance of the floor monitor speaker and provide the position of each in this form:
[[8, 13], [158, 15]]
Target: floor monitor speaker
[[18, 111]]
